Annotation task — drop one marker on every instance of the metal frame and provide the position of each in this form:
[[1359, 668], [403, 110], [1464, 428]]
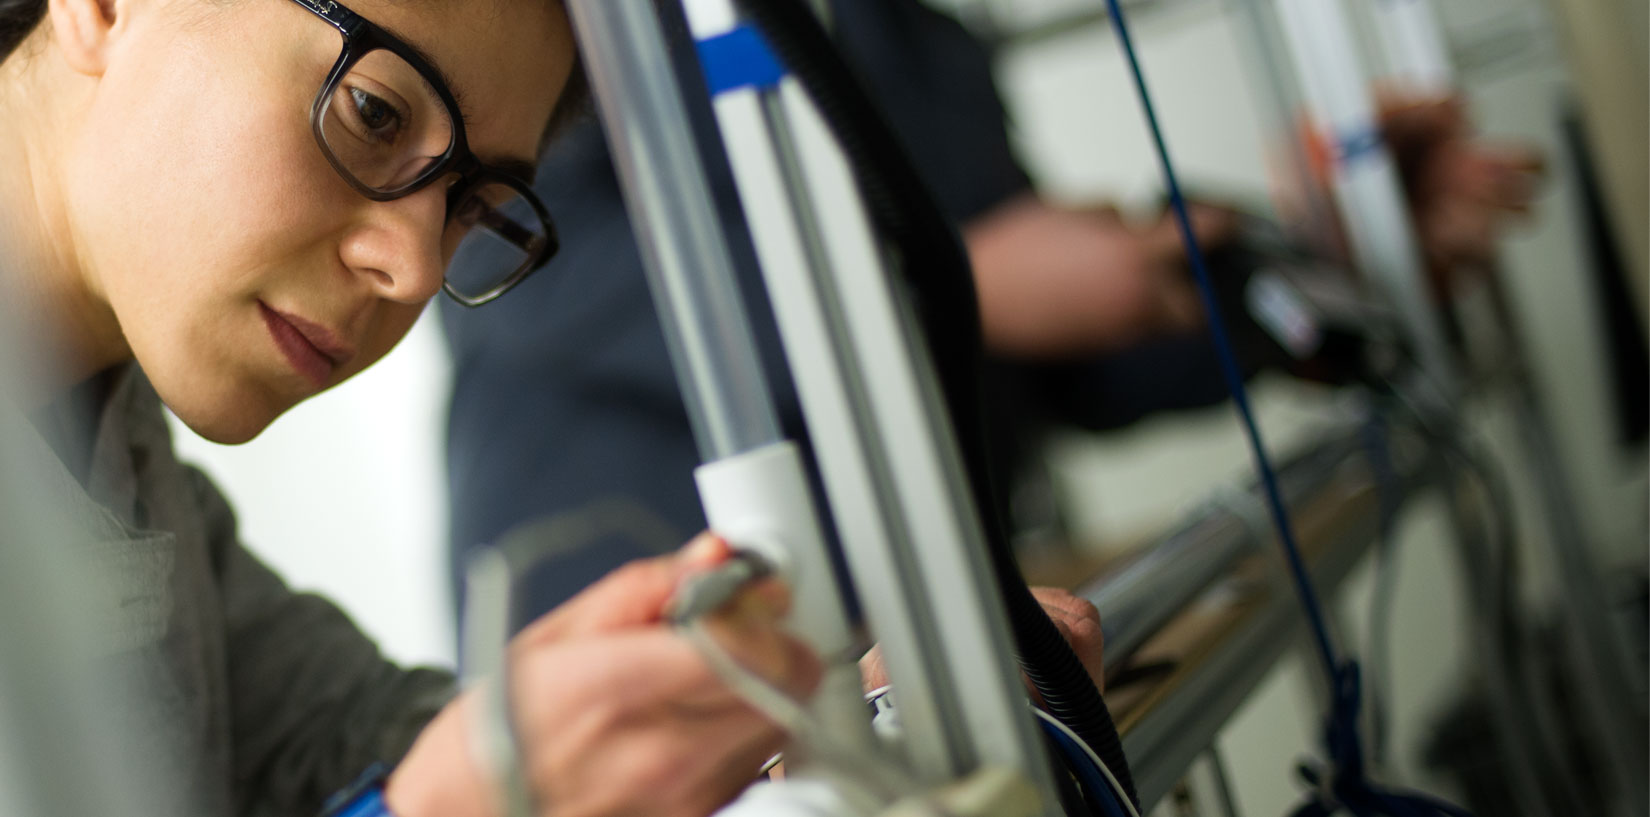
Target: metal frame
[[692, 277], [1166, 736], [891, 470]]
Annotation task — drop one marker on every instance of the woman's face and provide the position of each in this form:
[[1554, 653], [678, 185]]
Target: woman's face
[[245, 273]]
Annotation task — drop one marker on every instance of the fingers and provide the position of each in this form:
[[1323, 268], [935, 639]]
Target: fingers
[[1079, 623], [873, 670], [626, 721], [749, 632], [632, 596], [617, 713]]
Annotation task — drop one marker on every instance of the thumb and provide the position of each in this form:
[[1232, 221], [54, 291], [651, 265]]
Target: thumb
[[631, 596]]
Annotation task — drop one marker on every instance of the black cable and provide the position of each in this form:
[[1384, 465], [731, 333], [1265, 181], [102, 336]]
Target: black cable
[[935, 265]]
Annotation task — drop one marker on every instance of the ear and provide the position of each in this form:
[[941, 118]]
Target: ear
[[84, 30]]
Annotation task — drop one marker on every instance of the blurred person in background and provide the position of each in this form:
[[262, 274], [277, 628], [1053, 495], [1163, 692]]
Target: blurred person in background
[[564, 398]]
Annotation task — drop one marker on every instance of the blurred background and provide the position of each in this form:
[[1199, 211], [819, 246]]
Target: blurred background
[[345, 495]]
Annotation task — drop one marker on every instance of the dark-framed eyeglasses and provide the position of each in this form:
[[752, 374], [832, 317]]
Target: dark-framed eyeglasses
[[389, 125]]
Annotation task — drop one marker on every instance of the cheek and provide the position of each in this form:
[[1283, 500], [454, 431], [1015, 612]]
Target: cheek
[[196, 173], [391, 322], [196, 187]]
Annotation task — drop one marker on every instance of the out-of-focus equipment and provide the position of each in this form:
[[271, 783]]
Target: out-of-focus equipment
[[1599, 671], [873, 299]]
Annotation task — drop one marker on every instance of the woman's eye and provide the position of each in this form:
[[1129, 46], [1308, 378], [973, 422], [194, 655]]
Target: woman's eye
[[378, 119]]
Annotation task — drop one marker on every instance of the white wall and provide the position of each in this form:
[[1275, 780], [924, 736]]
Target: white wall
[[345, 495]]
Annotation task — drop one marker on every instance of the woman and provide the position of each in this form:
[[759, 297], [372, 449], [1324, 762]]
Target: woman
[[227, 206]]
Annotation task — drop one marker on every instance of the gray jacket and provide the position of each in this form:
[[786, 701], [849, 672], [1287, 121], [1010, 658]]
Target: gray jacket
[[258, 700]]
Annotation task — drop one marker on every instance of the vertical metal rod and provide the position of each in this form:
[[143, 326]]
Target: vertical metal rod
[[1367, 187], [754, 485], [1414, 44], [689, 268], [890, 466], [1260, 39]]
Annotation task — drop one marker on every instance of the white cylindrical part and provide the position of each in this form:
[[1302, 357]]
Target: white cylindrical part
[[1414, 45], [760, 502], [1368, 191]]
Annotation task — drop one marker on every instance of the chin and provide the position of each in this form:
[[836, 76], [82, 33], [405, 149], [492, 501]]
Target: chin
[[228, 419]]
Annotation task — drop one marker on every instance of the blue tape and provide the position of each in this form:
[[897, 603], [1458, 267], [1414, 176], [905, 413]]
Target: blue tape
[[1357, 144], [370, 804], [739, 59]]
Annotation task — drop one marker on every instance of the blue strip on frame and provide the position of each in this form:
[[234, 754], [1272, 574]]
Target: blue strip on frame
[[1357, 144], [739, 59], [370, 804]]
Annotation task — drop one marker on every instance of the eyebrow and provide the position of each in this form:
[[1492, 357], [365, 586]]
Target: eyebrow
[[441, 76], [523, 170]]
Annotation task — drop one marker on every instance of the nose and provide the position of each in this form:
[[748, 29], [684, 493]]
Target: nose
[[397, 248]]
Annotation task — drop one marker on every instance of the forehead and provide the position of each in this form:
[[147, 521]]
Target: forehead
[[506, 61]]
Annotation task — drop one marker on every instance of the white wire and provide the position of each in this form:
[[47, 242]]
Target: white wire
[[791, 716], [1117, 788]]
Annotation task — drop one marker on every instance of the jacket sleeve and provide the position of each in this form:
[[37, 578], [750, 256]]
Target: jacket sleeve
[[313, 702]]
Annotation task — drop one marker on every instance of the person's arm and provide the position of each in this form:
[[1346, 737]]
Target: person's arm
[[1060, 283], [312, 701], [616, 714]]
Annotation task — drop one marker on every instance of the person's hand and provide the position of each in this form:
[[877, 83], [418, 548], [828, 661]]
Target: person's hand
[[1462, 191], [616, 714], [1058, 282], [1076, 618]]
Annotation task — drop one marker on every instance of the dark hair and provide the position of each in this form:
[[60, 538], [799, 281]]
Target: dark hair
[[17, 19], [573, 106]]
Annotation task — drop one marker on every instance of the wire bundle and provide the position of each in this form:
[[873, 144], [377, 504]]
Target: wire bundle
[[1104, 792], [1347, 786]]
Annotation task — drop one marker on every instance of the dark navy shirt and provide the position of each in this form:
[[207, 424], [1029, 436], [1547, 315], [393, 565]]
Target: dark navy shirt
[[564, 395]]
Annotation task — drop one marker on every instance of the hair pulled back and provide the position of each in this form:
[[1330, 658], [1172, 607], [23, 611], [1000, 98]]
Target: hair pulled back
[[17, 19]]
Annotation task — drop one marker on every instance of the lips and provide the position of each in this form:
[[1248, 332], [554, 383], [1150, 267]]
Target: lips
[[315, 351]]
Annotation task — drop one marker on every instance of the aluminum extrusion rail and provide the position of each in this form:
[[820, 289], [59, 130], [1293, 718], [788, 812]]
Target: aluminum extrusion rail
[[1333, 491]]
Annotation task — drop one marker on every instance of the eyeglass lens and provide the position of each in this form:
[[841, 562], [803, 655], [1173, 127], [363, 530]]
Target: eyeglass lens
[[498, 233], [385, 124], [387, 127]]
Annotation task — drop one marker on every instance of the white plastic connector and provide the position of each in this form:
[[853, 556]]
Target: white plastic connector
[[759, 501]]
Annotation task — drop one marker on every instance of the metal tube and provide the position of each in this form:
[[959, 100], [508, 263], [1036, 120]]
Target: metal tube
[[912, 541], [1137, 601], [689, 269], [1169, 735], [754, 484]]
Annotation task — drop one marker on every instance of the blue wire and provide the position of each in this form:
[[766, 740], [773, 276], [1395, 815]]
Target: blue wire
[[1350, 790], [1229, 368], [1093, 781]]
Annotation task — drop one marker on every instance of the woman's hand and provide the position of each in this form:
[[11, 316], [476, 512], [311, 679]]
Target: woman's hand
[[615, 713], [1076, 618]]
